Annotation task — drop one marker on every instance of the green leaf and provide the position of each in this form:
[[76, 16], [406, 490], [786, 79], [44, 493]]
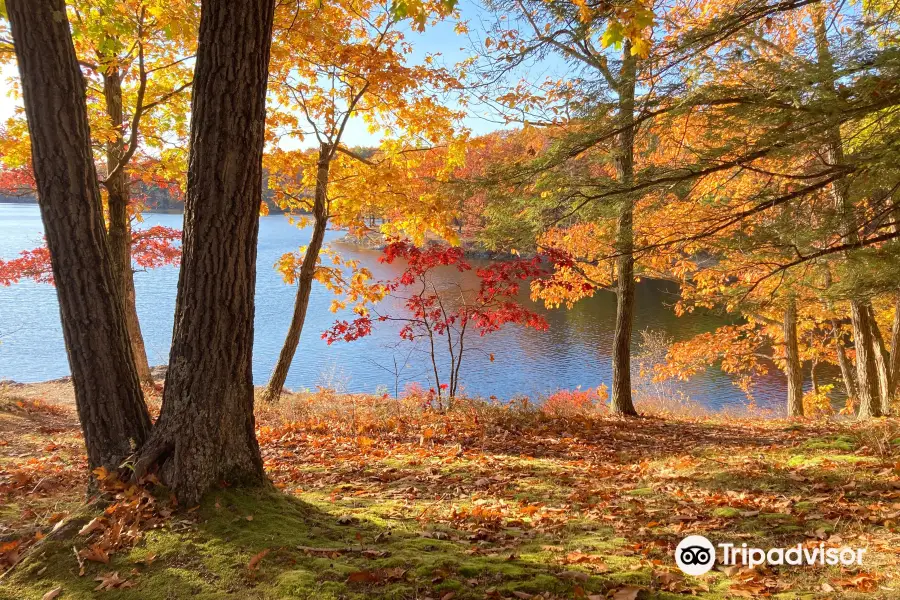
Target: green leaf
[[614, 35]]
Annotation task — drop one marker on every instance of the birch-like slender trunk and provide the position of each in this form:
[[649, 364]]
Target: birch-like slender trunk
[[305, 279], [118, 195], [622, 402]]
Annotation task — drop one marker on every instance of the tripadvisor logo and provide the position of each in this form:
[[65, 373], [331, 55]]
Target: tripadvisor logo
[[696, 555]]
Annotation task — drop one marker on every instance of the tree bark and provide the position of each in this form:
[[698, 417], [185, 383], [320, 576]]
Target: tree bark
[[894, 357], [119, 223], [622, 402], [793, 368], [107, 392], [866, 367], [206, 429], [306, 278], [894, 364], [882, 363], [844, 362], [863, 339]]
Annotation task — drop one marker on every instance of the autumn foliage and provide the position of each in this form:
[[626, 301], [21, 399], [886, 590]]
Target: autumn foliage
[[436, 313], [153, 247]]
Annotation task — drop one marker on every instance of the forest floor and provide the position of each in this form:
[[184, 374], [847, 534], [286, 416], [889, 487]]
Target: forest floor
[[377, 498]]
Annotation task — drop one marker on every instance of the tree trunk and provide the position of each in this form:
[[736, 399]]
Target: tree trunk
[[844, 363], [863, 339], [107, 392], [305, 280], [882, 363], [814, 377], [793, 368], [866, 367], [894, 356], [206, 429], [622, 402], [119, 223], [894, 363]]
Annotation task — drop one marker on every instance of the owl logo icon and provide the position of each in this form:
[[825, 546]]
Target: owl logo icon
[[695, 555]]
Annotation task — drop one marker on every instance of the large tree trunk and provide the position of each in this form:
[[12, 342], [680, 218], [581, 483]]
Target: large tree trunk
[[863, 338], [305, 280], [793, 368], [119, 223], [622, 402], [866, 367], [107, 392], [882, 364], [206, 431]]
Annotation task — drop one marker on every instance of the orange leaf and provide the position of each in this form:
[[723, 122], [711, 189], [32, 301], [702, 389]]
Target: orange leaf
[[254, 562], [363, 577]]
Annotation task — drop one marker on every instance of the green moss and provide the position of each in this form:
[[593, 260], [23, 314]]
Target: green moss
[[726, 512], [774, 517], [536, 584], [843, 443], [303, 585]]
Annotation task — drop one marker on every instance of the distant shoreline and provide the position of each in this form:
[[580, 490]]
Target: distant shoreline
[[31, 200]]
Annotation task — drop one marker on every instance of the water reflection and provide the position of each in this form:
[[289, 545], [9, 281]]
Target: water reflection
[[575, 351]]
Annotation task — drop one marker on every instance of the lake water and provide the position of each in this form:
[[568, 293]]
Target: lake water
[[574, 352]]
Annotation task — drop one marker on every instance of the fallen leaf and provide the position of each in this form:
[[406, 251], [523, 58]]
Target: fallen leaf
[[94, 553], [629, 592], [94, 524], [254, 562], [363, 577], [111, 581], [54, 593]]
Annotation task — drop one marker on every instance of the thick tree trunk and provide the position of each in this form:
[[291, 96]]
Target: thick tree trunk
[[120, 225], [863, 338], [622, 402], [793, 368], [206, 431], [866, 367], [882, 364], [306, 278], [107, 392]]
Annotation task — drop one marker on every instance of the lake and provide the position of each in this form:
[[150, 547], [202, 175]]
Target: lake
[[574, 352]]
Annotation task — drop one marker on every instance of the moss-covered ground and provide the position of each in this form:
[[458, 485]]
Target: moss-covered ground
[[372, 500]]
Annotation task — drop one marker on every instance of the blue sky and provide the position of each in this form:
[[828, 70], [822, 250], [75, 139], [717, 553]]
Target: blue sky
[[440, 39]]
